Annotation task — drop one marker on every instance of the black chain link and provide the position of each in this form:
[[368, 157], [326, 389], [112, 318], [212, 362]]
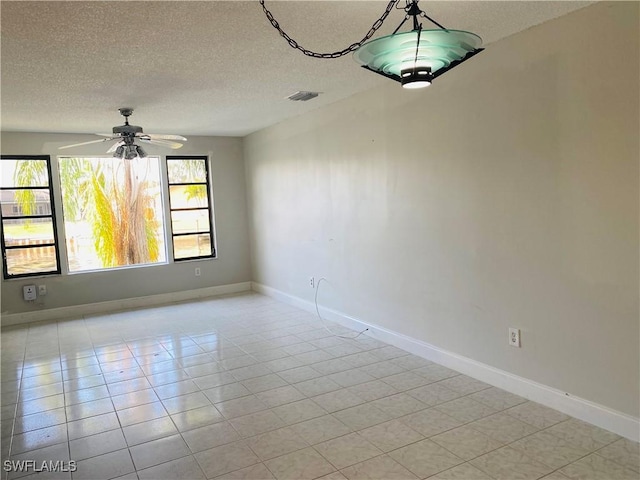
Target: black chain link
[[354, 46]]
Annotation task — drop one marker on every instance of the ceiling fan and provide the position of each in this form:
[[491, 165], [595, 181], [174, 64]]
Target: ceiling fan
[[127, 134]]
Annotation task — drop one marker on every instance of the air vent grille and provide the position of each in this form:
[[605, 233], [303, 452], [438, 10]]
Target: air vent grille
[[302, 96]]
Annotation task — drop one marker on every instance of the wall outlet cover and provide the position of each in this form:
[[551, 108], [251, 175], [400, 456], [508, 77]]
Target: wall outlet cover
[[29, 293], [514, 337]]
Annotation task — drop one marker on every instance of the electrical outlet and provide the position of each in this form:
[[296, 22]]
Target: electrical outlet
[[197, 271], [42, 290], [29, 293], [312, 282], [514, 337]]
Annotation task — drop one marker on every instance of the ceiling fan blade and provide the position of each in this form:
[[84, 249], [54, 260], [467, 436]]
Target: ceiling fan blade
[[87, 143], [161, 143], [115, 146], [107, 135], [159, 136]]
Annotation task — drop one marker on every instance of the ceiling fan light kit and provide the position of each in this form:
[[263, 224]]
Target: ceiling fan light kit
[[127, 135], [414, 58]]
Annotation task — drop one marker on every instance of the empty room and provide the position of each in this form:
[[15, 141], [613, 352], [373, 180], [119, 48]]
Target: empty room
[[320, 240]]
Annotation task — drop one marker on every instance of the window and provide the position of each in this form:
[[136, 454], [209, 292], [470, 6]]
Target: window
[[113, 215], [190, 205], [29, 235]]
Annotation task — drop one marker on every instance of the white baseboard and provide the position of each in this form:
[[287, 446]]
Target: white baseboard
[[596, 414], [76, 311]]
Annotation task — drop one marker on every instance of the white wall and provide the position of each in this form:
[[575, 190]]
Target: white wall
[[232, 265], [504, 195]]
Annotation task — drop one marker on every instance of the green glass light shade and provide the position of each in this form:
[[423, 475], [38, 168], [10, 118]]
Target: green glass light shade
[[438, 50]]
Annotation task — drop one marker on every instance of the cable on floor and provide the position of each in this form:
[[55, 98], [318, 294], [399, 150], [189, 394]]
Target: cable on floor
[[322, 319]]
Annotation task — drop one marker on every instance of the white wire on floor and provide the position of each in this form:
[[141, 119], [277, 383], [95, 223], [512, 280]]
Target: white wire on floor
[[322, 319]]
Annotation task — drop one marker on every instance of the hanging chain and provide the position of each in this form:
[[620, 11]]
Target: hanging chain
[[354, 46]]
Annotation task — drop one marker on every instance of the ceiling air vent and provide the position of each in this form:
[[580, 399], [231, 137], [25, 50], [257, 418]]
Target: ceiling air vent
[[302, 96]]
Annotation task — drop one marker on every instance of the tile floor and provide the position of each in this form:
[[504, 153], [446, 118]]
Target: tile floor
[[245, 387]]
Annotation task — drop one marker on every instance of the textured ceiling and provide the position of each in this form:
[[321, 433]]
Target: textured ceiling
[[202, 68]]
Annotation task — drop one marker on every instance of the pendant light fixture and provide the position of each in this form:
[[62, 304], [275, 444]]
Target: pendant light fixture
[[414, 58]]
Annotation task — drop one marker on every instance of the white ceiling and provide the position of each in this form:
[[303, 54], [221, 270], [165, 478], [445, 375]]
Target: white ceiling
[[202, 68]]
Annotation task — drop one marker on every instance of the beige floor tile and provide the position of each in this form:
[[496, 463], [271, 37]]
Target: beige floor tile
[[435, 373], [299, 411], [595, 467], [430, 422], [159, 451], [98, 444], [509, 464], [226, 458], [239, 407], [254, 472], [53, 453], [466, 442], [185, 468], [92, 425], [39, 405], [362, 416], [624, 452], [464, 384], [147, 431], [503, 428], [333, 476], [537, 415], [89, 409], [276, 443], [555, 476], [391, 435], [141, 413], [281, 364], [214, 380], [582, 434], [226, 392], [110, 465], [263, 383], [256, 423], [211, 436], [549, 449], [378, 468], [300, 374], [434, 394], [197, 417], [176, 389], [373, 390], [337, 400], [317, 386], [306, 464], [321, 429], [497, 399], [411, 362], [350, 377], [35, 421], [274, 373], [405, 381], [465, 409], [134, 399], [128, 386], [347, 450], [280, 396], [399, 405], [186, 402], [465, 471]]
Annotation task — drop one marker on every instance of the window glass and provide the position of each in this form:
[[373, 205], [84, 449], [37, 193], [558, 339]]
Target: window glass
[[29, 240], [113, 214], [191, 209]]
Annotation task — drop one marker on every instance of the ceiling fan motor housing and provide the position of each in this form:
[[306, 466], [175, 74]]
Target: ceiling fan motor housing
[[127, 130]]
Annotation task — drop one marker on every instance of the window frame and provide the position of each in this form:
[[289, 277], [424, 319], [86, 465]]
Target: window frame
[[52, 216], [209, 207]]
